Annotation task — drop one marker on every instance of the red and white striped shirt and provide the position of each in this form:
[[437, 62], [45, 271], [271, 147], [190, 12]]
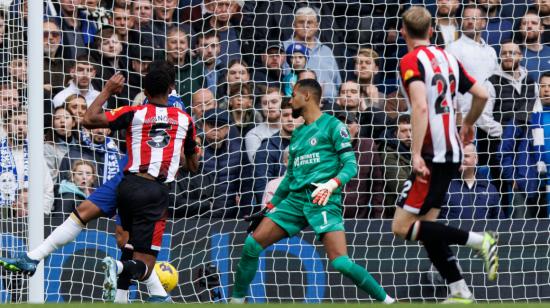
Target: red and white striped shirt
[[155, 137], [442, 74]]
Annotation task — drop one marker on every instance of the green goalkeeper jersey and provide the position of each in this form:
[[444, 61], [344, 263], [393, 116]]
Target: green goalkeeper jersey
[[318, 152]]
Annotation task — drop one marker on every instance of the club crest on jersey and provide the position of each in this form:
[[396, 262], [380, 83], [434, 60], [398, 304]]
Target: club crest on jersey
[[344, 132], [313, 141], [408, 74]]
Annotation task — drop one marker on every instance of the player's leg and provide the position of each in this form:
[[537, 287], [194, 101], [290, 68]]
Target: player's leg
[[335, 246], [62, 235], [267, 233], [127, 253]]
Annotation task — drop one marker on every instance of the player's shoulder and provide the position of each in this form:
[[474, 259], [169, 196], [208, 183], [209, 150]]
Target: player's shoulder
[[331, 123]]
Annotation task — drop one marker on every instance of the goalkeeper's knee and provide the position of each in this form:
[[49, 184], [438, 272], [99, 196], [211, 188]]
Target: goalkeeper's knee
[[343, 264], [252, 248]]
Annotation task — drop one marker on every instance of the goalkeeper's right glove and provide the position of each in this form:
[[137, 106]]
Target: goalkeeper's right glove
[[256, 218]]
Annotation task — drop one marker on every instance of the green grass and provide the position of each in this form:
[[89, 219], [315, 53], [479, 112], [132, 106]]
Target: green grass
[[338, 305]]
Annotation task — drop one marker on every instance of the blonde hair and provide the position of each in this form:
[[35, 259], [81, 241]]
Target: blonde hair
[[368, 52], [81, 162], [417, 20]]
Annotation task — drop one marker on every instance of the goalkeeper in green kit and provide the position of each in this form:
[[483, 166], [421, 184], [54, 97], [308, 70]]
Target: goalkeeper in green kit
[[321, 161]]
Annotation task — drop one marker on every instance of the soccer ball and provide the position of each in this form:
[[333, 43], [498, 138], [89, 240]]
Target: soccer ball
[[168, 275]]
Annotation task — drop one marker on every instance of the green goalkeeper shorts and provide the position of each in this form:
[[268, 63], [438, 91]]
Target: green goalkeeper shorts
[[297, 212]]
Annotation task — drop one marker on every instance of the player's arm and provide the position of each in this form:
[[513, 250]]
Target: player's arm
[[95, 116], [191, 150], [479, 99]]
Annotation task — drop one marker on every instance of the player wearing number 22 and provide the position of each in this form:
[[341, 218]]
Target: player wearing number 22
[[430, 78], [321, 161], [156, 135]]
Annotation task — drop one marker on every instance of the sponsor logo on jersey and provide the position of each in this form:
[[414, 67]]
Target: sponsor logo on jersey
[[345, 145], [307, 159], [115, 111], [408, 74], [344, 132], [313, 141]]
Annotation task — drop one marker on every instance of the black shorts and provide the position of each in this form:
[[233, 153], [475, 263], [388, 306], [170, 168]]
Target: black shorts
[[418, 198], [143, 208]]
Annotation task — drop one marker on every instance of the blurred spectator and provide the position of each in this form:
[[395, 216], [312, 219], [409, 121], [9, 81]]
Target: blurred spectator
[[189, 73], [9, 98], [271, 186], [366, 68], [140, 58], [202, 100], [124, 24], [297, 56], [165, 16], [271, 110], [397, 160], [271, 73], [95, 147], [54, 66], [14, 170], [268, 163], [446, 24], [81, 183], [470, 197], [4, 43], [543, 118], [208, 50], [21, 206], [321, 59], [478, 58], [543, 9], [96, 15], [81, 74], [395, 104], [223, 157], [220, 21], [76, 104], [58, 137], [142, 10], [536, 55], [499, 29], [512, 96], [373, 120], [78, 32], [363, 195], [18, 71], [237, 73], [242, 113], [307, 74]]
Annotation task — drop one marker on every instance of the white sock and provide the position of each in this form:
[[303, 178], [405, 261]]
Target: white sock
[[235, 300], [475, 240], [121, 296], [61, 236], [119, 267], [154, 286], [460, 288], [389, 300]]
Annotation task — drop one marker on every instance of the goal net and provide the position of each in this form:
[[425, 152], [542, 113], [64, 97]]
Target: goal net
[[235, 63]]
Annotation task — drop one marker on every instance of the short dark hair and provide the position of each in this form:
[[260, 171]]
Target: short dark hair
[[474, 6], [311, 85], [207, 35], [404, 118], [285, 104], [164, 66], [543, 75], [307, 71], [157, 82]]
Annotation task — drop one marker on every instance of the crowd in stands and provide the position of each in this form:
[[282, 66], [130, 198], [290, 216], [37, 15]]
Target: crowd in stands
[[236, 63]]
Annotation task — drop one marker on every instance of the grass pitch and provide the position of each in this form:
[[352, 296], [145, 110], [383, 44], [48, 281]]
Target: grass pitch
[[291, 305]]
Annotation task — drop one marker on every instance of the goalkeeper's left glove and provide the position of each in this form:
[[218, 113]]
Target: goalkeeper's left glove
[[323, 191], [256, 218]]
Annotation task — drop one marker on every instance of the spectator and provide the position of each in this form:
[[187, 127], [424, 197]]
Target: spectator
[[202, 100], [95, 14], [54, 66], [271, 73], [76, 105], [208, 50], [373, 120], [471, 197], [21, 205], [543, 9], [499, 29], [58, 137], [143, 12], [98, 149], [543, 119], [241, 107], [223, 157], [478, 58], [9, 98], [307, 74], [366, 68], [124, 24], [271, 110], [321, 59], [18, 71], [536, 55], [221, 22], [268, 163], [397, 160], [446, 24], [14, 170], [297, 56], [165, 16], [512, 95], [4, 43], [189, 74], [78, 33], [77, 188], [363, 194], [140, 59], [272, 185], [81, 73], [237, 73]]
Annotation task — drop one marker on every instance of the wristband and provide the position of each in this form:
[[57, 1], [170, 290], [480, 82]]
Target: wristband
[[337, 180], [269, 205]]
